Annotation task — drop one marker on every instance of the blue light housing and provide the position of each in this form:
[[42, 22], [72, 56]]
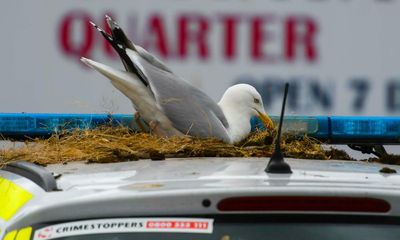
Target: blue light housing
[[20, 125], [297, 125], [383, 128], [337, 130], [341, 130]]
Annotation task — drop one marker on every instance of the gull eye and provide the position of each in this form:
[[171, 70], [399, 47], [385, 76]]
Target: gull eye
[[256, 100]]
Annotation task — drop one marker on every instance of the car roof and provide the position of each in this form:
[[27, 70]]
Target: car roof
[[179, 186], [197, 172]]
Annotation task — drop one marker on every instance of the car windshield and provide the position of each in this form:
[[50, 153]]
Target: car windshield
[[219, 230]]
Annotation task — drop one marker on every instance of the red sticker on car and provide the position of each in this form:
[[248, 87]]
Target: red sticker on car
[[125, 225]]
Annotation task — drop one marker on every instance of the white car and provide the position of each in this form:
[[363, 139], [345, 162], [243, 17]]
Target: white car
[[213, 198], [201, 198]]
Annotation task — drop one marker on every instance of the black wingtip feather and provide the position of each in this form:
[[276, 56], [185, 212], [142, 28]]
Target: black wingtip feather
[[120, 48], [118, 34]]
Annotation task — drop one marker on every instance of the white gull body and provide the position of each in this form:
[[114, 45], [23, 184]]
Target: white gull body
[[174, 105]]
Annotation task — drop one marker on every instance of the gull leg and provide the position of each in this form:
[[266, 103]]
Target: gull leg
[[156, 130], [139, 122]]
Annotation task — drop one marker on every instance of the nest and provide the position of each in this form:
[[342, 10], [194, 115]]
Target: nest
[[116, 144]]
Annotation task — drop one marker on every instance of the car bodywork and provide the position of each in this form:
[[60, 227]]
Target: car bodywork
[[199, 187]]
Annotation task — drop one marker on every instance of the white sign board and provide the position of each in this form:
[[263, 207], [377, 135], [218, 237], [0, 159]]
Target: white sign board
[[341, 57]]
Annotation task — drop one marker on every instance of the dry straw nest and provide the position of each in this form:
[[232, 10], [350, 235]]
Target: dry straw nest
[[115, 144]]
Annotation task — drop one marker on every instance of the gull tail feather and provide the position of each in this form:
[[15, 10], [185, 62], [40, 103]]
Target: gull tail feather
[[126, 82], [115, 75]]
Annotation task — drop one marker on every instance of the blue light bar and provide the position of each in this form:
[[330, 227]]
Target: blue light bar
[[337, 130], [22, 125], [378, 128], [297, 125], [341, 130]]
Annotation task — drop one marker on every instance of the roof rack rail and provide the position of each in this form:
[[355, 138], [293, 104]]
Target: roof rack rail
[[38, 174]]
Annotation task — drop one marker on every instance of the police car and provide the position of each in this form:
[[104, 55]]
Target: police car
[[213, 198], [204, 198]]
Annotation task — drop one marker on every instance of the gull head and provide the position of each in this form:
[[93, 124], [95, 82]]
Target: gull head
[[239, 103]]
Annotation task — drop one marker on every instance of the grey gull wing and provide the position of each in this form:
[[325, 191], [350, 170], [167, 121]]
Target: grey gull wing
[[190, 110]]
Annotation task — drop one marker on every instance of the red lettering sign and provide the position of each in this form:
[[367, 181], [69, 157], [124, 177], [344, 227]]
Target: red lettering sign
[[229, 40], [69, 47], [186, 35], [158, 35], [294, 35], [296, 39]]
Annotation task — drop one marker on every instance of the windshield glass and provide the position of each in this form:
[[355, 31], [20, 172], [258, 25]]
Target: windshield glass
[[178, 228]]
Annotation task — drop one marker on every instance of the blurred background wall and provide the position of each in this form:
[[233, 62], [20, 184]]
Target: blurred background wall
[[342, 57]]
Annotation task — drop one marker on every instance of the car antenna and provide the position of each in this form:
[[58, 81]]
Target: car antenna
[[276, 163]]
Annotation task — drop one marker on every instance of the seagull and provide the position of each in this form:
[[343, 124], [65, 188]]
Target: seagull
[[172, 106]]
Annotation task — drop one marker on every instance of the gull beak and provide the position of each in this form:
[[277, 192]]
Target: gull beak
[[266, 120]]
